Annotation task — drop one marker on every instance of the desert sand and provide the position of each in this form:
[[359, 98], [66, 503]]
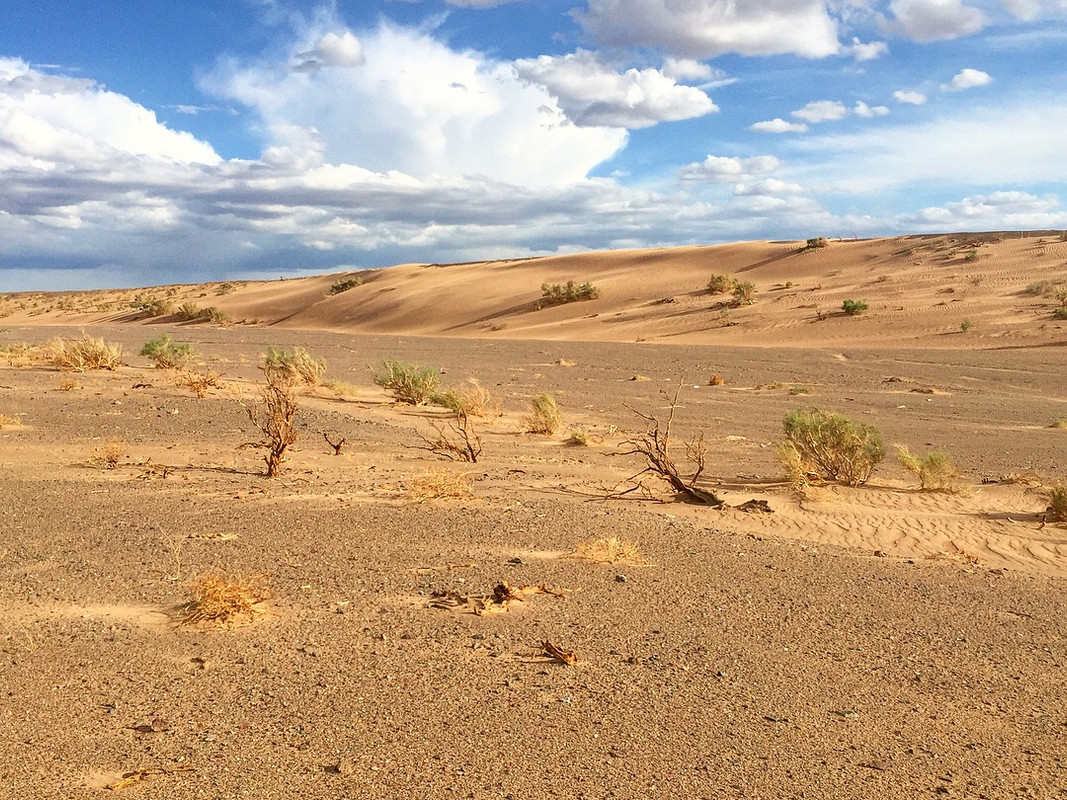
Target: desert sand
[[870, 641]]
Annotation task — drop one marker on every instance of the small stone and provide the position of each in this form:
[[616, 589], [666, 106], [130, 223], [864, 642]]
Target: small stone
[[621, 579], [515, 560]]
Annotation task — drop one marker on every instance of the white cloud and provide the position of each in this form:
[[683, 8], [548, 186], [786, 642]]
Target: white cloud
[[591, 93], [967, 79], [47, 119], [769, 187], [910, 97], [861, 109], [421, 108], [932, 20], [821, 111], [687, 69], [1012, 210], [867, 51], [332, 50], [778, 125], [709, 28], [1008, 144], [723, 169]]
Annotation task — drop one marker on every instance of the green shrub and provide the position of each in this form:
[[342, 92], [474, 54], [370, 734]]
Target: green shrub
[[744, 293], [544, 416], [830, 446], [935, 470], [225, 288], [817, 242], [1060, 313], [721, 284], [409, 383], [965, 325], [556, 294], [853, 307], [298, 364], [1057, 504], [972, 255], [191, 312], [167, 354], [345, 285]]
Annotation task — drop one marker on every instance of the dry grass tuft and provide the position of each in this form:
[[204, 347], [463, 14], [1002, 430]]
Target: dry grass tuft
[[612, 550], [716, 380], [110, 455], [67, 385], [471, 400], [83, 353], [21, 354], [1060, 424], [221, 598], [544, 416], [199, 382], [7, 420], [439, 485]]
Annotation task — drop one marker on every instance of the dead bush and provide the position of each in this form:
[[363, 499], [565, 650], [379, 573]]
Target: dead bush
[[222, 598], [612, 550], [439, 485], [273, 414], [460, 442]]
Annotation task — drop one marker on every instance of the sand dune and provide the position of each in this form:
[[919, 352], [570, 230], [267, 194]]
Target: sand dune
[[919, 291]]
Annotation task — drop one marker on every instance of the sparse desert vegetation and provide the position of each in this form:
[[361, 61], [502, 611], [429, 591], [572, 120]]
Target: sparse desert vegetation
[[273, 415], [82, 354], [166, 353], [543, 415], [296, 364], [829, 446], [409, 383], [936, 470], [555, 294]]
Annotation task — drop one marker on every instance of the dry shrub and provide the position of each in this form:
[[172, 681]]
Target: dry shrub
[[472, 400], [110, 455], [221, 598], [1061, 424], [83, 353], [581, 438], [544, 416], [612, 550], [274, 414], [341, 388], [21, 354], [199, 382], [7, 419], [716, 380], [298, 364], [459, 443], [67, 385], [1057, 504], [439, 485], [936, 471]]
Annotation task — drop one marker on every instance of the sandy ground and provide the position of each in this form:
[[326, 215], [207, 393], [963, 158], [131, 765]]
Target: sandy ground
[[858, 642]]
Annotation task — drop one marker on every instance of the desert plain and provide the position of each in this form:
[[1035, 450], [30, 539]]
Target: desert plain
[[873, 641]]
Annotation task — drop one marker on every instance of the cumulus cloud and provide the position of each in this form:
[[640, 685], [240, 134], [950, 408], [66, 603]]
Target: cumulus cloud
[[332, 50], [778, 125], [910, 97], [821, 111], [861, 109], [933, 20], [967, 79], [997, 210], [591, 93], [687, 69], [867, 51], [724, 169], [46, 118], [417, 106], [709, 28], [769, 187]]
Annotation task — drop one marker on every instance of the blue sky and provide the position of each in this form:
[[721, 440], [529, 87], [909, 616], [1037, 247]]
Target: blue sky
[[147, 142]]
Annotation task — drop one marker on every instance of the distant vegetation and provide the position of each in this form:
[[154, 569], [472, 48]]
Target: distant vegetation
[[345, 285], [853, 307], [556, 294], [817, 242]]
